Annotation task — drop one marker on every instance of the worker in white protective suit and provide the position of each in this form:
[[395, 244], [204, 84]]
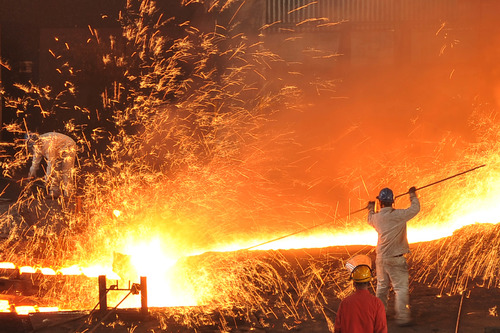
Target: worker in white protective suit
[[59, 151], [392, 246]]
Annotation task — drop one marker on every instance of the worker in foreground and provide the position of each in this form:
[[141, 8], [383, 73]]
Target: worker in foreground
[[59, 151], [392, 246], [361, 312]]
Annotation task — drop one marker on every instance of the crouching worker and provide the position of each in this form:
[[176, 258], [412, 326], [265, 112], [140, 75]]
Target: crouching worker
[[361, 312], [59, 151]]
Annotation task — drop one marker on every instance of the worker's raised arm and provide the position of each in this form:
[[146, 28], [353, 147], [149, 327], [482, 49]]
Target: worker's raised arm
[[371, 211], [35, 164], [407, 214]]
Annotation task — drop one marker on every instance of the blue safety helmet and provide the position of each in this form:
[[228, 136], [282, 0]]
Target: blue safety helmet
[[386, 196]]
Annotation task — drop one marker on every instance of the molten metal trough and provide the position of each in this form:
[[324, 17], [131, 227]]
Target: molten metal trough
[[20, 312]]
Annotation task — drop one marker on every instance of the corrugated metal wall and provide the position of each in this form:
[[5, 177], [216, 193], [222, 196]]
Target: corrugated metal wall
[[321, 14]]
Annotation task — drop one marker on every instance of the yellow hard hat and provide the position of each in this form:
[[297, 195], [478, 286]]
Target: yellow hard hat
[[361, 273]]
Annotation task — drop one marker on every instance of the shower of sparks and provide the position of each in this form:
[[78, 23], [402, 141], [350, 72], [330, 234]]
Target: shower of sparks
[[194, 167]]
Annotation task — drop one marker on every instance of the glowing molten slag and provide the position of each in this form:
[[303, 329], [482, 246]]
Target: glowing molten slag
[[454, 211], [151, 256]]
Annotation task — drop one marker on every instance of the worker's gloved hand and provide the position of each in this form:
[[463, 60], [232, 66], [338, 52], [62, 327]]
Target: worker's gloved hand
[[371, 205], [412, 189]]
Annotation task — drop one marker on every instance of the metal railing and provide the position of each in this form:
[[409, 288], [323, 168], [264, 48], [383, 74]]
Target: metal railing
[[323, 14]]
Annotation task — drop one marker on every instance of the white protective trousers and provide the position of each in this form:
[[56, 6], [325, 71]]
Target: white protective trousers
[[394, 271]]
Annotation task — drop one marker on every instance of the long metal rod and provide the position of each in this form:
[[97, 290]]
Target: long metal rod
[[460, 307], [110, 312], [442, 180], [300, 231], [459, 311], [361, 209]]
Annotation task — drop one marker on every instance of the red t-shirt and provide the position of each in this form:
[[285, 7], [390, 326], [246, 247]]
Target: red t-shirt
[[361, 312]]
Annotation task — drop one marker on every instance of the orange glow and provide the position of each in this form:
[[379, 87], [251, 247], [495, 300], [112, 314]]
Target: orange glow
[[237, 162], [158, 259], [456, 212]]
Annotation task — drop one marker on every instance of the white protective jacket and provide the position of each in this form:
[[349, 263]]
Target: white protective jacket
[[390, 225]]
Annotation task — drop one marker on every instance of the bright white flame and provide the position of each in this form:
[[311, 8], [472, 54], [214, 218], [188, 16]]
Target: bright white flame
[[4, 305], [27, 269], [97, 270], [151, 260], [48, 271], [25, 309], [7, 265], [73, 270], [49, 309]]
